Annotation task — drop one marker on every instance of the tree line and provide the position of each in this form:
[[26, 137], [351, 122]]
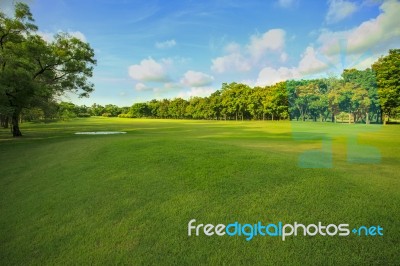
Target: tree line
[[358, 96], [355, 97]]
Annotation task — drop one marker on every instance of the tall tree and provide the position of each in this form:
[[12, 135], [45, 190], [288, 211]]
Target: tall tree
[[366, 79], [33, 69], [387, 71]]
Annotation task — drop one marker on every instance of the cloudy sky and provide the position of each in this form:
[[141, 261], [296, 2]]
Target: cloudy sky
[[182, 48]]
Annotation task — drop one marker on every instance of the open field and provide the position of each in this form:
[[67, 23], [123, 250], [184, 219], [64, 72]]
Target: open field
[[108, 199]]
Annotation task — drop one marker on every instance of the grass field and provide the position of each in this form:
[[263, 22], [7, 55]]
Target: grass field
[[127, 199]]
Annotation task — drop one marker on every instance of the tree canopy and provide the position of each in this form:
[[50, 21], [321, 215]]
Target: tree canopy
[[387, 70], [33, 71]]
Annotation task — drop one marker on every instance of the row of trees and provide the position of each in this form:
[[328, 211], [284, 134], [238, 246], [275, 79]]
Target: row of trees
[[234, 101], [354, 97], [67, 110], [357, 96]]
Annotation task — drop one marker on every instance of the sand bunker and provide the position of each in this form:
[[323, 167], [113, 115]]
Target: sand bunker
[[100, 133]]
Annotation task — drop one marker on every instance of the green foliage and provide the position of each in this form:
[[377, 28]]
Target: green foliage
[[387, 71], [96, 110], [316, 100], [112, 109], [106, 115], [34, 71], [139, 110]]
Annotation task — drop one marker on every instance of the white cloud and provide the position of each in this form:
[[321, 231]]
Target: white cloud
[[172, 85], [46, 36], [142, 87], [166, 44], [272, 40], [371, 34], [365, 62], [49, 36], [160, 90], [231, 62], [339, 10], [243, 59], [270, 76], [283, 57], [196, 79], [358, 47], [286, 3], [150, 70], [309, 62], [78, 34], [167, 88], [193, 92], [248, 82], [232, 47]]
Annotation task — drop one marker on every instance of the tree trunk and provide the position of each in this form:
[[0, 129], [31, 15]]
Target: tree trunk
[[384, 119], [4, 120], [366, 118], [15, 124]]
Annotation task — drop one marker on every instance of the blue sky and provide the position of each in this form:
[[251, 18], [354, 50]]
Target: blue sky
[[165, 49]]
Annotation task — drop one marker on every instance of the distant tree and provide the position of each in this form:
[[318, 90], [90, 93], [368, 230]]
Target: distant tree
[[177, 108], [366, 79], [96, 109], [387, 71], [67, 110], [255, 106], [361, 103], [154, 105], [306, 95], [112, 110], [162, 111], [140, 110], [291, 86], [195, 108], [234, 100], [278, 106], [215, 104]]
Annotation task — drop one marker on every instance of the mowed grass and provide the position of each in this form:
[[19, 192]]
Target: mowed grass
[[127, 199]]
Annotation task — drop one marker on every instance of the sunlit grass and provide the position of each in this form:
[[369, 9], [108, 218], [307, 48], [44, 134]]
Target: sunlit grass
[[81, 199]]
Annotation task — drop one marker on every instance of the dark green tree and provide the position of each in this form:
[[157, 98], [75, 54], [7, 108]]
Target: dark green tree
[[387, 71], [32, 70]]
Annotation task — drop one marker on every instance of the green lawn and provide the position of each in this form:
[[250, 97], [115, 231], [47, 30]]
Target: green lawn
[[127, 199]]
